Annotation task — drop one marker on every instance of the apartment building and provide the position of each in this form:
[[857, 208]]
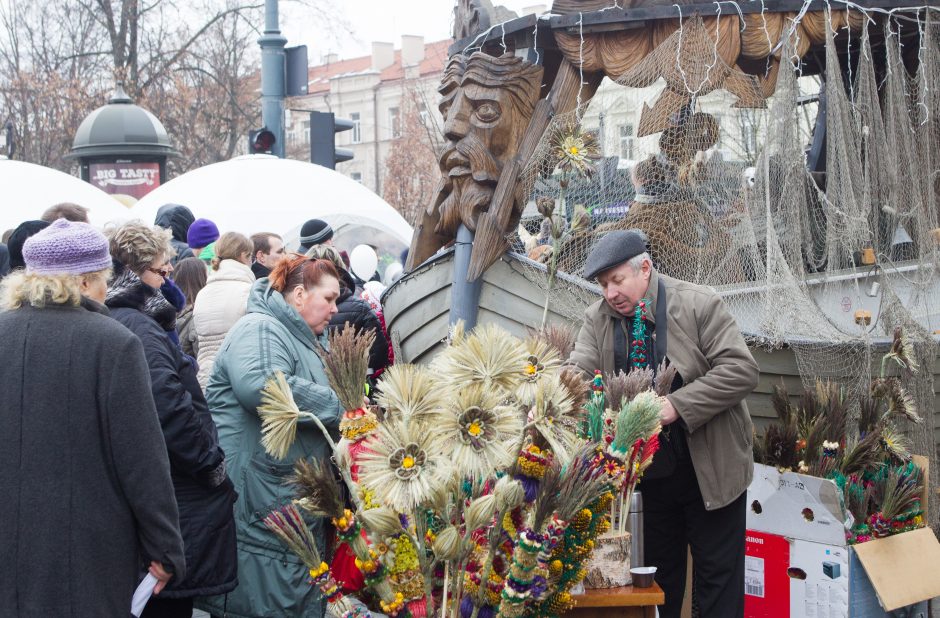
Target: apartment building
[[372, 91]]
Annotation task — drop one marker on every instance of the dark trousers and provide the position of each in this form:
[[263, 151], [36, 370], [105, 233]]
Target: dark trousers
[[168, 608], [674, 520]]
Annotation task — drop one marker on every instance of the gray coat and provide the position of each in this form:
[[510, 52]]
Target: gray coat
[[87, 497], [706, 347]]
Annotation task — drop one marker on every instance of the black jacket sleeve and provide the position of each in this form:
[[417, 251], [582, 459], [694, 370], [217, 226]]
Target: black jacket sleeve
[[140, 460], [192, 447]]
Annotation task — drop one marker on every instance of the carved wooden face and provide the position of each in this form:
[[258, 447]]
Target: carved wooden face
[[481, 112], [486, 104]]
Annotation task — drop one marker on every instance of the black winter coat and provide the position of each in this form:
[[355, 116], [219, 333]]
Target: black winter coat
[[358, 313], [203, 491], [87, 499]]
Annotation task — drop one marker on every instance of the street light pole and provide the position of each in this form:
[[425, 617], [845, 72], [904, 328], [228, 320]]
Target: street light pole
[[272, 44]]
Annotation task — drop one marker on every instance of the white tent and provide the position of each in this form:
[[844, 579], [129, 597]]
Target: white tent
[[29, 189], [260, 193]]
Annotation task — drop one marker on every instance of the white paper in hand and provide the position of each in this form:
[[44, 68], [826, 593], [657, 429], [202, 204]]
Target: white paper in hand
[[142, 594]]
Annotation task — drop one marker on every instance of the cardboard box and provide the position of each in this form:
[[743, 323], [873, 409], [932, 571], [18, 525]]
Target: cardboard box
[[797, 557]]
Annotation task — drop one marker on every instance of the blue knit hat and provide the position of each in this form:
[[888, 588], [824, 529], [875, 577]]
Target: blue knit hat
[[201, 233], [66, 248]]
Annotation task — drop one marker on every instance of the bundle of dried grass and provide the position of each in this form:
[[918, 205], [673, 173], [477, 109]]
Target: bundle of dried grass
[[863, 454], [488, 355], [638, 419], [410, 392], [665, 376], [897, 401], [279, 415], [901, 352], [581, 483], [317, 489], [559, 336], [622, 387], [347, 364], [902, 491], [289, 526]]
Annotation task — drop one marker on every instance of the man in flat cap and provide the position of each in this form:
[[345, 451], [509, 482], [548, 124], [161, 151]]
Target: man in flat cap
[[694, 491]]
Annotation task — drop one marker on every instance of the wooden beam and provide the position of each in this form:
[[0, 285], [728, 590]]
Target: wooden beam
[[507, 30], [574, 22]]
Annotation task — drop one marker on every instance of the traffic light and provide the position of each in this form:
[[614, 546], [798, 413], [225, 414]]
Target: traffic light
[[261, 141], [323, 129]]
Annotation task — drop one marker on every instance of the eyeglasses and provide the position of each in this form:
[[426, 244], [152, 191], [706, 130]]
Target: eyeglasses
[[163, 271]]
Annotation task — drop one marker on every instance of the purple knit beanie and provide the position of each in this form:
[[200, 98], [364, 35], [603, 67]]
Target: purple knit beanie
[[202, 233], [66, 248]]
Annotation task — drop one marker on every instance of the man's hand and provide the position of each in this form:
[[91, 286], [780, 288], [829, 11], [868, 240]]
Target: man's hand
[[157, 570], [667, 414]]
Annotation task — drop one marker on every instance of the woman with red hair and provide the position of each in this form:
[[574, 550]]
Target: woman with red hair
[[284, 329]]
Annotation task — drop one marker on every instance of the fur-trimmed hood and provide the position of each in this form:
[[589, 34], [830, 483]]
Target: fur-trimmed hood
[[128, 290]]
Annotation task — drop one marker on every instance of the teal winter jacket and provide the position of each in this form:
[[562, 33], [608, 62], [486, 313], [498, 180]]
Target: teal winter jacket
[[272, 336]]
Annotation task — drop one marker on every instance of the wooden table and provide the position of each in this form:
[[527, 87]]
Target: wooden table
[[624, 602]]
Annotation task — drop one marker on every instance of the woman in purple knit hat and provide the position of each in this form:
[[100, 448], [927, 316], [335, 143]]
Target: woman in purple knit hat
[[88, 500]]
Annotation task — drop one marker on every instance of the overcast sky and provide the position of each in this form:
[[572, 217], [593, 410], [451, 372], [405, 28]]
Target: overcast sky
[[376, 20]]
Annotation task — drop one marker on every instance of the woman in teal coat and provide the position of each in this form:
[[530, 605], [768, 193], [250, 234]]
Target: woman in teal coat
[[288, 313]]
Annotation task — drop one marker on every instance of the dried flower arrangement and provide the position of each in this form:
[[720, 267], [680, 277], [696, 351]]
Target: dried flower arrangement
[[880, 484], [477, 491]]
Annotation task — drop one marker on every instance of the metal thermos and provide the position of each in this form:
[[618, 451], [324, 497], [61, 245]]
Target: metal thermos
[[636, 530]]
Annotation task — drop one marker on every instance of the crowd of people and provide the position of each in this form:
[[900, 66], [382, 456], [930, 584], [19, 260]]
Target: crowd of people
[[132, 441]]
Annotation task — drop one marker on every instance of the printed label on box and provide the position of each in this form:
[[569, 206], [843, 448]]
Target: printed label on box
[[766, 585], [754, 576]]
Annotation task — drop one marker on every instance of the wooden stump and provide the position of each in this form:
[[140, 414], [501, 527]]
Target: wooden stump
[[610, 565]]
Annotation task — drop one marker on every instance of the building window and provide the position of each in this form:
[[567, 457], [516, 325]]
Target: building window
[[394, 122], [357, 176], [357, 128], [305, 132], [627, 141], [425, 115]]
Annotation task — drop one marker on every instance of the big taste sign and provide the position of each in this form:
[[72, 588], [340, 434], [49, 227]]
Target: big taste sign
[[133, 179]]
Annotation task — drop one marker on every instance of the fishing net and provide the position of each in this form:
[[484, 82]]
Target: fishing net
[[810, 203]]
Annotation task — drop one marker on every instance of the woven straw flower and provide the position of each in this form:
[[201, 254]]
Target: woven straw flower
[[541, 359], [477, 433], [488, 356], [410, 393], [575, 150], [555, 416], [400, 466]]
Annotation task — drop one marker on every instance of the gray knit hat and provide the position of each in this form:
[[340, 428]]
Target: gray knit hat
[[614, 249], [66, 248]]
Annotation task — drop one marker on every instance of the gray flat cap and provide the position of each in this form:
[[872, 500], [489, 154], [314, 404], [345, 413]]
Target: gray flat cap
[[614, 249]]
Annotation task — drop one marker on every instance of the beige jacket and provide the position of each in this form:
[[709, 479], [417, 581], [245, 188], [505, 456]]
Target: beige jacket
[[706, 347], [218, 306]]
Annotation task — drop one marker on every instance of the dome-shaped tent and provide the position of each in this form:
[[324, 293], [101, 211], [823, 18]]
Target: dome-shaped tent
[[29, 189], [259, 193]]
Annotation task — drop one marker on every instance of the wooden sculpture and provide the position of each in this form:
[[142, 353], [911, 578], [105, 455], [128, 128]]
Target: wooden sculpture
[[486, 103]]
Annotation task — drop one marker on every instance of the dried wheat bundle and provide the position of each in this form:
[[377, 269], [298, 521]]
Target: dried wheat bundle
[[279, 415], [347, 364], [488, 355], [410, 392]]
